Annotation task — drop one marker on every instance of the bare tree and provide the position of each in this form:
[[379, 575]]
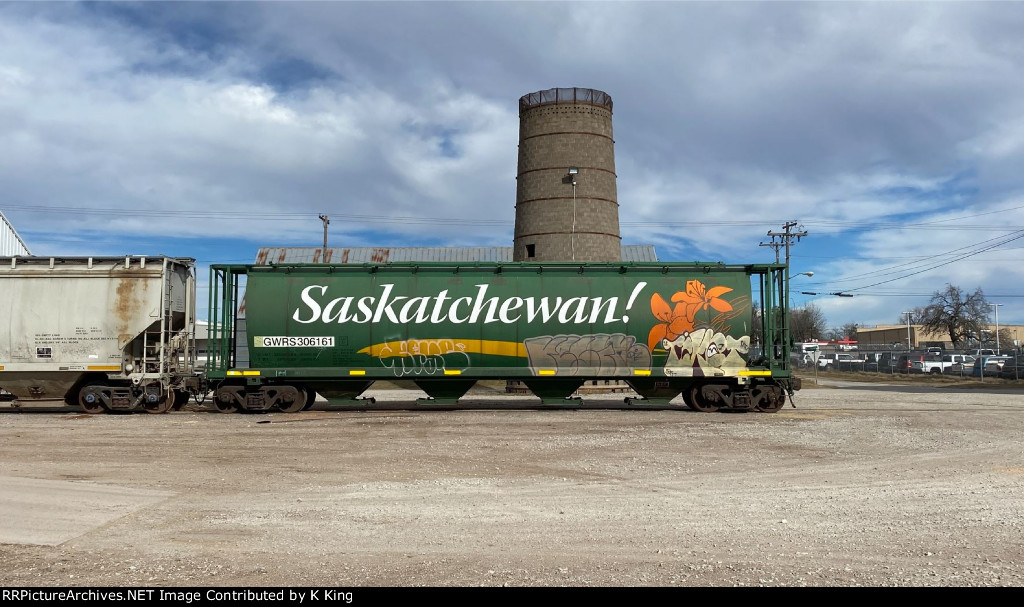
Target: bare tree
[[847, 331], [756, 318], [916, 316], [988, 339], [957, 314], [1005, 339], [806, 323]]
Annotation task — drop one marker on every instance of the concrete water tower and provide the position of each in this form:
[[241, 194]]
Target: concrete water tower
[[566, 203]]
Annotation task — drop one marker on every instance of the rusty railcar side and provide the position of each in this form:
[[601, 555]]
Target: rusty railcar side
[[105, 333]]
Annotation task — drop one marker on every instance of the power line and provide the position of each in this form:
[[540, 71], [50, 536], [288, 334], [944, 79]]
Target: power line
[[987, 296], [978, 214], [938, 265], [920, 266], [250, 215], [255, 215], [833, 224], [889, 258], [930, 259]]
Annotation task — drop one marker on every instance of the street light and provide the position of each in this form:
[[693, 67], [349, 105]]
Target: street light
[[909, 345], [996, 307], [808, 275]]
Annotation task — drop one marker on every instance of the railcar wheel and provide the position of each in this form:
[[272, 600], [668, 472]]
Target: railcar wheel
[[163, 405], [771, 400], [181, 398], [225, 407], [296, 405], [700, 402], [310, 400], [90, 402], [227, 398], [689, 399]]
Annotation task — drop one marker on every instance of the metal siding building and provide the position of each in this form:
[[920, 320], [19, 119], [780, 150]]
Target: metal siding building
[[10, 243], [273, 255]]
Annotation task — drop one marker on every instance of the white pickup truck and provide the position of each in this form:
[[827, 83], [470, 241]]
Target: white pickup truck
[[938, 363], [841, 361]]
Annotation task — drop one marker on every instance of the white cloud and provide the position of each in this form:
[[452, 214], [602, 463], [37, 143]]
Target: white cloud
[[838, 115]]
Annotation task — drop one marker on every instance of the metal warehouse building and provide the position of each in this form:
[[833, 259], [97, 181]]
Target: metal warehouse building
[[272, 255], [10, 243]]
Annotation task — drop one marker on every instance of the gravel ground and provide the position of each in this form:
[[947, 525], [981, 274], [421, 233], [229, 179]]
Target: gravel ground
[[856, 486]]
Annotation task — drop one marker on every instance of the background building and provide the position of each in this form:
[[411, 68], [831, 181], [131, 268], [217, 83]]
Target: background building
[[272, 255], [893, 335], [10, 243]]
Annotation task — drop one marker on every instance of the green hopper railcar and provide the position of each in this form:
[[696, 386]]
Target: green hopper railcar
[[715, 333]]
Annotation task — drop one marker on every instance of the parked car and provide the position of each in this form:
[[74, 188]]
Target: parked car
[[905, 362], [982, 352], [938, 363], [887, 362], [801, 360], [841, 361], [961, 368], [871, 360], [1012, 369], [991, 365]]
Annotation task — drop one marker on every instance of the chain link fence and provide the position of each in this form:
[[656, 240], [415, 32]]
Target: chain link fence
[[882, 360]]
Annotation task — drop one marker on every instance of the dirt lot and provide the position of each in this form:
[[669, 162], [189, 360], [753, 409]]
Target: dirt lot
[[859, 485]]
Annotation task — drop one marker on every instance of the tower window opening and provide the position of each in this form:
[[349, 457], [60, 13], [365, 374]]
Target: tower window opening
[[531, 250]]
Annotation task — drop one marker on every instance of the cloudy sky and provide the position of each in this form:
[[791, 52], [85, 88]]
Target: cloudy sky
[[893, 132]]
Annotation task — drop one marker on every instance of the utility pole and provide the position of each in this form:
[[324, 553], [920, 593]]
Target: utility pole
[[785, 239], [772, 244], [327, 222]]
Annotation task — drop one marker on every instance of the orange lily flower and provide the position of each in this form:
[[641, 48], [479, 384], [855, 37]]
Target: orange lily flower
[[698, 297], [673, 322]]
